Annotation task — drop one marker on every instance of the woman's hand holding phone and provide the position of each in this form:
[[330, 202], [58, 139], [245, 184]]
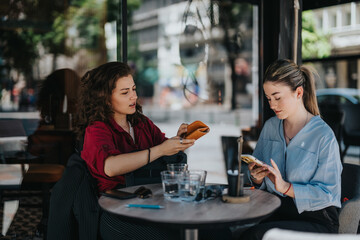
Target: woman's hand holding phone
[[257, 172]]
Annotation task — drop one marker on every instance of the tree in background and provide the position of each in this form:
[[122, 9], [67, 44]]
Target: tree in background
[[31, 30], [315, 44], [60, 28], [23, 24]]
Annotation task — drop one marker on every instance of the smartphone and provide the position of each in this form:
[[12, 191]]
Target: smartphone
[[114, 193]]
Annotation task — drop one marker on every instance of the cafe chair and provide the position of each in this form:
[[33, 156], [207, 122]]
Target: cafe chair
[[74, 209], [334, 116], [52, 145], [349, 216], [351, 131], [282, 234], [230, 153]]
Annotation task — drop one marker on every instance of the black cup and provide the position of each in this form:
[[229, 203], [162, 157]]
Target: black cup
[[233, 184]]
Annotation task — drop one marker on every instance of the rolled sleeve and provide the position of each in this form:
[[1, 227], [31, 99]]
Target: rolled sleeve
[[98, 146]]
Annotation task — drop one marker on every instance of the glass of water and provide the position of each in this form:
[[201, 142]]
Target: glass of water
[[170, 181], [189, 185], [177, 167], [203, 175]]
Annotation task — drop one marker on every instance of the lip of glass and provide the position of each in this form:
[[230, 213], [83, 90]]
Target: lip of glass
[[171, 173], [202, 173], [177, 167]]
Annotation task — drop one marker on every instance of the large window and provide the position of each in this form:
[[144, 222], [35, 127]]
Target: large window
[[333, 47], [198, 54], [38, 37], [195, 54]]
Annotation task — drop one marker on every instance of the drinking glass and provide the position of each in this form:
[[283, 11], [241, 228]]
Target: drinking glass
[[170, 181], [203, 175], [177, 167], [189, 184]]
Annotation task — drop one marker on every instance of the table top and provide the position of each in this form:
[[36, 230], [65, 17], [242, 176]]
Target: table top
[[11, 175], [209, 213]]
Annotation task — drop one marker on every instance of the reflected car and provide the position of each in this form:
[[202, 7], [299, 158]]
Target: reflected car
[[338, 96]]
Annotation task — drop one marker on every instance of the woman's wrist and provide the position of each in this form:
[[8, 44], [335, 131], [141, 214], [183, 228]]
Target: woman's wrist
[[287, 189], [255, 180], [155, 152]]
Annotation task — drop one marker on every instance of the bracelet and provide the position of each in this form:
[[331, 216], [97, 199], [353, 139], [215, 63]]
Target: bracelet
[[287, 189], [148, 156]]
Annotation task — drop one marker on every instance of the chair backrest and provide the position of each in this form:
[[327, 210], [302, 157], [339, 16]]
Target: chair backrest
[[230, 152], [282, 234], [334, 116], [350, 181], [349, 216], [352, 117], [52, 146]]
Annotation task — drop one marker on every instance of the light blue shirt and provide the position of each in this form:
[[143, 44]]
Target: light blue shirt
[[311, 162]]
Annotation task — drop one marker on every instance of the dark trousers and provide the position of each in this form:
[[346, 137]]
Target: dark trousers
[[287, 217], [113, 227]]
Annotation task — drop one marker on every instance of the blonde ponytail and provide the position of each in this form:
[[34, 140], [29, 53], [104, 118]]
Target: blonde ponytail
[[289, 73], [309, 96]]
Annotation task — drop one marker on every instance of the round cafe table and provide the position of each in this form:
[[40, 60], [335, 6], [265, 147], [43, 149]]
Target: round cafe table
[[191, 216]]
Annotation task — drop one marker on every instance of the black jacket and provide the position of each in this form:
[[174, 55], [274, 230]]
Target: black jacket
[[74, 209]]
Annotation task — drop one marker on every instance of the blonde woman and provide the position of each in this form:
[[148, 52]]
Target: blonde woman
[[301, 155]]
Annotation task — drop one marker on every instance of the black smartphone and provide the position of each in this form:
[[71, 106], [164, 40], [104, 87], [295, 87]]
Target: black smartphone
[[114, 193]]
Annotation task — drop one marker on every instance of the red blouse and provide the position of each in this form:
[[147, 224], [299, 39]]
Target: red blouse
[[103, 140]]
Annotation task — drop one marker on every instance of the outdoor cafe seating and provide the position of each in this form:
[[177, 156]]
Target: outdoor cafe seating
[[40, 175]]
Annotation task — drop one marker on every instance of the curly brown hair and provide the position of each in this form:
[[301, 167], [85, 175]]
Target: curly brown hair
[[95, 96]]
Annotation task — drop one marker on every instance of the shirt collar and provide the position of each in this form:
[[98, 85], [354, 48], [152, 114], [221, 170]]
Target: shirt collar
[[120, 129], [115, 125]]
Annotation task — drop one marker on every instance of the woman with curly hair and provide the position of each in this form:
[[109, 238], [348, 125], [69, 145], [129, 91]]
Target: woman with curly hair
[[119, 139]]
